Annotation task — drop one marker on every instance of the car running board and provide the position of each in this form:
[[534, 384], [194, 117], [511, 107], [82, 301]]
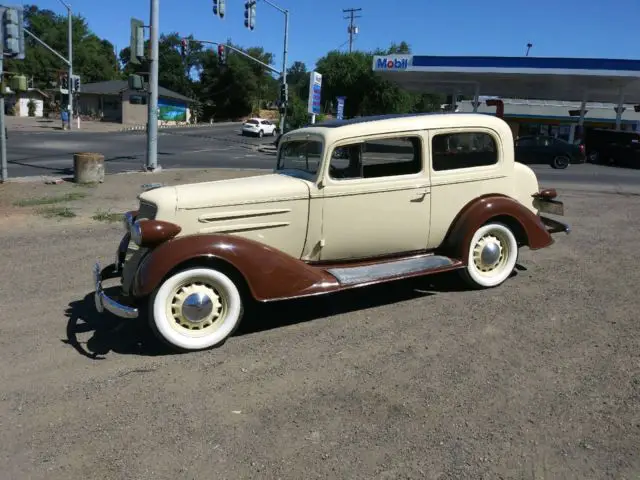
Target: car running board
[[406, 267]]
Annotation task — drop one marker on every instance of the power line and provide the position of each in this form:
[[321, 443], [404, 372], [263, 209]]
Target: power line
[[352, 28]]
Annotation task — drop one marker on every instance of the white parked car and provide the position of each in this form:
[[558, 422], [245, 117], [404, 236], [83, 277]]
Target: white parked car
[[259, 127]]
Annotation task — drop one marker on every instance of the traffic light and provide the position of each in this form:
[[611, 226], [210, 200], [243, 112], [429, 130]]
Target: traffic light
[[76, 83], [222, 55], [284, 94], [250, 14], [219, 8], [13, 32], [64, 82], [183, 48], [136, 41]]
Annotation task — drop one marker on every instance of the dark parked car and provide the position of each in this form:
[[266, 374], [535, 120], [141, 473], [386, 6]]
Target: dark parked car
[[611, 147], [545, 149]]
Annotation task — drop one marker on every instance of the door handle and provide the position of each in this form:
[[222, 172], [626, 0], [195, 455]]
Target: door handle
[[419, 195]]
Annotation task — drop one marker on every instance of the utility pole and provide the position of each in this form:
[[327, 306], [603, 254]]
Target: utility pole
[[152, 113], [352, 28]]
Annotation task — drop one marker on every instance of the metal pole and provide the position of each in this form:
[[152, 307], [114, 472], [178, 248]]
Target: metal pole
[[152, 117], [3, 138], [70, 82], [284, 67], [284, 55]]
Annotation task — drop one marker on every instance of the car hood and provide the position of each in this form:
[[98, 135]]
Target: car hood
[[241, 191]]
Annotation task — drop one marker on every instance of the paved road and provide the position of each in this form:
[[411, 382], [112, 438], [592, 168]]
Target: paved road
[[538, 378], [51, 153]]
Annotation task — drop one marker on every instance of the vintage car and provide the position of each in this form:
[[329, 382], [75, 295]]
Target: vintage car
[[407, 195]]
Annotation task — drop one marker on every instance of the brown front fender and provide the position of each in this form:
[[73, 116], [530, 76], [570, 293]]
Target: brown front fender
[[269, 273], [529, 229]]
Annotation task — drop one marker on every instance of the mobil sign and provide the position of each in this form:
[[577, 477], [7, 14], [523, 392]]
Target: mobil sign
[[392, 62]]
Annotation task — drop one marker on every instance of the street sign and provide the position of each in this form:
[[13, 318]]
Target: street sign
[[340, 108], [315, 88]]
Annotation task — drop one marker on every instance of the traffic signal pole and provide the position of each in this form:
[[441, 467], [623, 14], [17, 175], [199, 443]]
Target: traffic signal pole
[[207, 42], [70, 61], [284, 58], [152, 112]]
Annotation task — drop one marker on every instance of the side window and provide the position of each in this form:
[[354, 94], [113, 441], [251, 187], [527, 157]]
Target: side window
[[526, 142], [387, 157], [451, 151]]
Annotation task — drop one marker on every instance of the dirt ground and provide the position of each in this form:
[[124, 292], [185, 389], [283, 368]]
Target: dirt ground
[[538, 378], [34, 204]]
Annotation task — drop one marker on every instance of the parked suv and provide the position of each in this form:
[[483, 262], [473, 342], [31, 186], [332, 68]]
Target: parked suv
[[545, 149], [613, 147]]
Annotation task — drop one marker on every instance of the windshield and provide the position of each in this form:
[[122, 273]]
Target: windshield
[[303, 155]]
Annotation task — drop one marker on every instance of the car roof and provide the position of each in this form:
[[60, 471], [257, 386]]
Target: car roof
[[397, 122]]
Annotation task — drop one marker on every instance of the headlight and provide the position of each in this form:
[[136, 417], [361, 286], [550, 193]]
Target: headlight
[[136, 233], [150, 233]]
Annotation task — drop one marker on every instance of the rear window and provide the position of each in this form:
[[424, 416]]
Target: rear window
[[252, 122]]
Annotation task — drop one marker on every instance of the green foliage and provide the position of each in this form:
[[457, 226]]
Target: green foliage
[[239, 88], [94, 59]]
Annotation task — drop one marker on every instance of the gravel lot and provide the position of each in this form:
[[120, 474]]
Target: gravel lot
[[539, 378]]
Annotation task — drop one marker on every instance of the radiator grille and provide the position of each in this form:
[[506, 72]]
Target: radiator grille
[[147, 211]]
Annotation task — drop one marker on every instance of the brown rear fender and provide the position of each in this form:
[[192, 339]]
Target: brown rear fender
[[269, 273], [526, 225]]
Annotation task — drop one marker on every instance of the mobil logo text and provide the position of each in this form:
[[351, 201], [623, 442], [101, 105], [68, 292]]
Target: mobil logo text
[[392, 63]]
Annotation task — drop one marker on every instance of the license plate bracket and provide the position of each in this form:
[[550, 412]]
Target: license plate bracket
[[553, 207]]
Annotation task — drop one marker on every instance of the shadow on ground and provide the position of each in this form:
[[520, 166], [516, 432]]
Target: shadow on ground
[[133, 337]]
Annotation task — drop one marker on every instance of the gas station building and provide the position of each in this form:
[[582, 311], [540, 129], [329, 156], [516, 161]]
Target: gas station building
[[535, 95]]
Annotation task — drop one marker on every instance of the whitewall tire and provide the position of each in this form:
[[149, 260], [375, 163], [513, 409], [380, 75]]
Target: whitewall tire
[[196, 309], [493, 252]]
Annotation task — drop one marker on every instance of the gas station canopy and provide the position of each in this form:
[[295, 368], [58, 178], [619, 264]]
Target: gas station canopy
[[614, 81]]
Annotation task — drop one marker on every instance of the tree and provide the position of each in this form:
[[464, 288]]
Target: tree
[[241, 86], [350, 75], [94, 59]]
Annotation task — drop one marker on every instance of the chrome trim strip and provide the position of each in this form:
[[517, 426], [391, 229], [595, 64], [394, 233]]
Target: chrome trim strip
[[212, 217], [243, 227]]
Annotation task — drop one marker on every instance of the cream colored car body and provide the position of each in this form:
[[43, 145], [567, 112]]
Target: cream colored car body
[[317, 218]]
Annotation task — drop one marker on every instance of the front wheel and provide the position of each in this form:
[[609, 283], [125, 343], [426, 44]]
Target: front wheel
[[196, 309], [560, 162], [493, 252]]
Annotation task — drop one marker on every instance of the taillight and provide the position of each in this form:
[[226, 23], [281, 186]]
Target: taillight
[[581, 146]]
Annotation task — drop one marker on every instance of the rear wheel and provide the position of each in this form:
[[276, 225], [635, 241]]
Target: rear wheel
[[560, 162], [493, 252], [196, 309], [260, 134]]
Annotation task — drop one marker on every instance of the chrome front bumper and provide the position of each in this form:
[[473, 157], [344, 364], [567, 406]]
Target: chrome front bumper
[[103, 302]]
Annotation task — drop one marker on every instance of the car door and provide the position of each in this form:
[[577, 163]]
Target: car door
[[376, 198]]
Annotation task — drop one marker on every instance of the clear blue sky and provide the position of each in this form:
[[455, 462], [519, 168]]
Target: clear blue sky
[[571, 28]]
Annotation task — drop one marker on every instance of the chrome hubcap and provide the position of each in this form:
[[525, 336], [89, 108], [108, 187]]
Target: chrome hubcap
[[197, 307], [489, 253]]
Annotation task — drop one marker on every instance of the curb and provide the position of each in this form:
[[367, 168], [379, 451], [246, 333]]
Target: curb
[[143, 126]]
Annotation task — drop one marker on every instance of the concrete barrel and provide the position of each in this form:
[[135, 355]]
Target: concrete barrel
[[88, 167]]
